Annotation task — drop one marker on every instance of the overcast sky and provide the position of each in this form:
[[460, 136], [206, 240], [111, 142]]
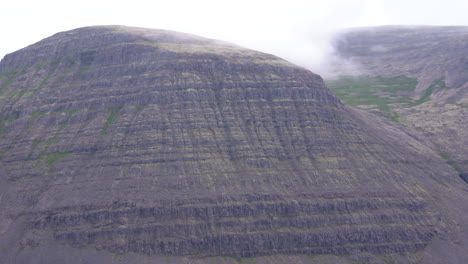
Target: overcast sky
[[297, 30]]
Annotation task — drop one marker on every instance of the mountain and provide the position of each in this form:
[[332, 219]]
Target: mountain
[[415, 75], [131, 145]]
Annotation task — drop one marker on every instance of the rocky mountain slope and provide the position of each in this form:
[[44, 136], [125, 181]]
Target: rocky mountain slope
[[417, 76], [130, 145]]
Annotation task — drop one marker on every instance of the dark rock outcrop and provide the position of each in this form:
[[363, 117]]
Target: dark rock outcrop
[[129, 140]]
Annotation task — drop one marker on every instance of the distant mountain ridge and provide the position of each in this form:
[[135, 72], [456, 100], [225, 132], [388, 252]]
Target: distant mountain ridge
[[432, 60], [427, 53]]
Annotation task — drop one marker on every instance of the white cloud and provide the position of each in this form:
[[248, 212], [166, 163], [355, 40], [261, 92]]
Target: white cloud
[[297, 30]]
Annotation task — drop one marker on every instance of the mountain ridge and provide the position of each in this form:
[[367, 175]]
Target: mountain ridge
[[205, 151], [433, 59]]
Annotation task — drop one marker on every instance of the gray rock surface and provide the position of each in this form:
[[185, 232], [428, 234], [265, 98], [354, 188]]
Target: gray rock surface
[[129, 145]]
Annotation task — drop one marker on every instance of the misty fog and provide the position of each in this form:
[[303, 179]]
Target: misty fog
[[297, 30]]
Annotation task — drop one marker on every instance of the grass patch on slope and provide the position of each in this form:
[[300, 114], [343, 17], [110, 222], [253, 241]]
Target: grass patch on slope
[[53, 157], [450, 161], [381, 93], [113, 113], [376, 93], [439, 83]]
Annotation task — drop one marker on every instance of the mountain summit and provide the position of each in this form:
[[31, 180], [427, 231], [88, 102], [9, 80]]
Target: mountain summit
[[150, 143]]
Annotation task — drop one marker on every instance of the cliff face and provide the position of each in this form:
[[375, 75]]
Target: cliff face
[[432, 99], [129, 140]]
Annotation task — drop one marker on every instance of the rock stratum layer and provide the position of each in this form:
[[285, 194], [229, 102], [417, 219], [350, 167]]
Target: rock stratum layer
[[435, 58], [128, 140]]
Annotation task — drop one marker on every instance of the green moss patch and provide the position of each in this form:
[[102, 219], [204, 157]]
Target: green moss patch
[[9, 77], [2, 127], [239, 260], [377, 93], [113, 114], [52, 68], [439, 83], [52, 158], [9, 81], [450, 161]]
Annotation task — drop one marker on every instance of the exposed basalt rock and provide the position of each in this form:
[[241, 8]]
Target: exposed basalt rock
[[160, 143], [309, 224]]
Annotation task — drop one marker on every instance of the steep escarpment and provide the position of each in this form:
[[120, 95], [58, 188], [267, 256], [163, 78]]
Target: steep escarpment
[[413, 75], [128, 140]]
